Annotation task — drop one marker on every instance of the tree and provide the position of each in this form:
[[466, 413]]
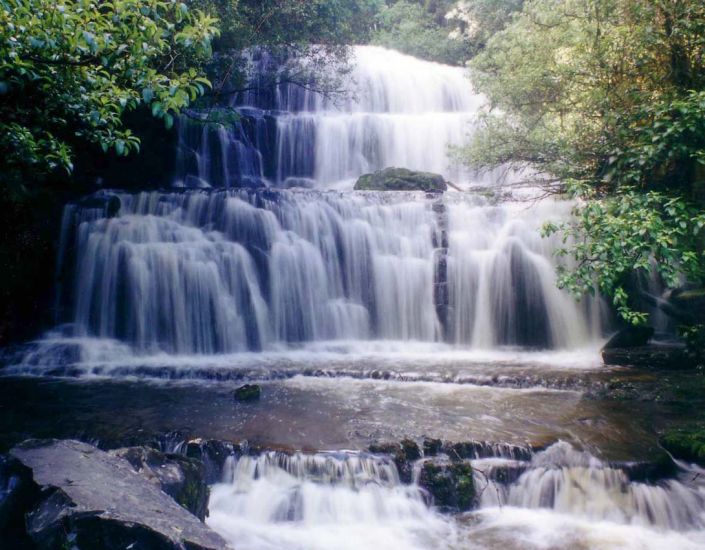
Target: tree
[[606, 98], [70, 70]]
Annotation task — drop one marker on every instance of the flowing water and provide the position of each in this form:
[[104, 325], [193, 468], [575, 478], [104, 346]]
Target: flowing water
[[365, 316]]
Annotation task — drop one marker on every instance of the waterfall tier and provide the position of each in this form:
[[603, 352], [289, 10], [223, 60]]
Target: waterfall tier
[[396, 111], [227, 271]]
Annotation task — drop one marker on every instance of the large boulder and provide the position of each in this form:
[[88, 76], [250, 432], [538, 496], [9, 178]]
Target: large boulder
[[91, 499], [180, 477], [630, 337], [401, 179]]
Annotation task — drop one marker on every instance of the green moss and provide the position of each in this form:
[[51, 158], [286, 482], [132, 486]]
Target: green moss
[[451, 485], [401, 179], [686, 443]]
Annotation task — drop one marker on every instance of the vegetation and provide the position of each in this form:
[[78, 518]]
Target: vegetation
[[606, 99], [446, 31], [69, 71]]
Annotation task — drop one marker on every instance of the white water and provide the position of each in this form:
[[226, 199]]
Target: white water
[[231, 271], [342, 500]]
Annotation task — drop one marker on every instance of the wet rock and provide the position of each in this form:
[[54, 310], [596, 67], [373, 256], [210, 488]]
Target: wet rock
[[92, 499], [669, 357], [248, 392], [431, 447], [482, 449], [17, 496], [109, 204], [180, 477], [630, 337], [212, 454], [660, 467], [403, 453], [450, 484], [690, 303], [401, 179]]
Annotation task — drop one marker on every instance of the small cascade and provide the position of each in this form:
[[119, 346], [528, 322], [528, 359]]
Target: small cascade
[[329, 499], [326, 500], [576, 483]]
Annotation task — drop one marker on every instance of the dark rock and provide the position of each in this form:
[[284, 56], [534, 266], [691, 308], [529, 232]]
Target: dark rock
[[668, 357], [93, 499], [403, 454], [660, 467], [630, 337], [482, 449], [440, 294], [401, 179], [180, 477], [18, 494], [431, 447], [450, 484], [248, 392], [690, 303], [108, 203], [212, 454]]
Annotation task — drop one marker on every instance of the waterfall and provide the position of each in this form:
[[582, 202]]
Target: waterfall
[[397, 111], [343, 499], [236, 270]]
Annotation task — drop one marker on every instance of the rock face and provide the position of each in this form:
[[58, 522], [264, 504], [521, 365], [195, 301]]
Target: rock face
[[450, 484], [87, 498], [180, 477], [404, 454], [401, 179], [630, 337]]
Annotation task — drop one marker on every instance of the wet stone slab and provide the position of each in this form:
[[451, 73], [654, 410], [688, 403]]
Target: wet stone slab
[[92, 499]]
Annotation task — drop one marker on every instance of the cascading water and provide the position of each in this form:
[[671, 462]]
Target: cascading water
[[341, 500], [230, 271], [225, 271], [398, 111], [324, 501]]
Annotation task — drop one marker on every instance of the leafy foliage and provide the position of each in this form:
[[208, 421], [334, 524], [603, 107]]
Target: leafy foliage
[[70, 70], [416, 30]]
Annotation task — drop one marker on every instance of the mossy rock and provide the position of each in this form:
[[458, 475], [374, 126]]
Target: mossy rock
[[248, 392], [401, 179], [686, 443], [450, 484]]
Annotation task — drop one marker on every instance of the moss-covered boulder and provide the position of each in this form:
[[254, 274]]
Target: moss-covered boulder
[[401, 179], [450, 484]]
